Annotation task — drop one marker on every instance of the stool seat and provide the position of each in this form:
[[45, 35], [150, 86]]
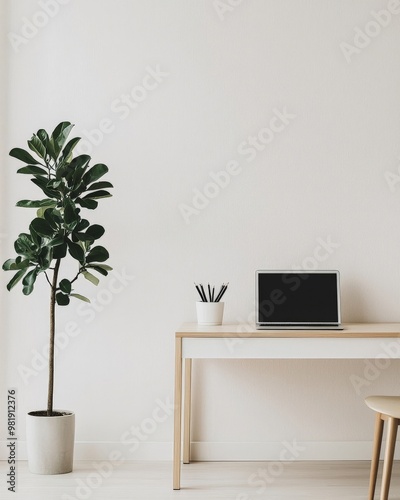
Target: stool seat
[[389, 405], [387, 409]]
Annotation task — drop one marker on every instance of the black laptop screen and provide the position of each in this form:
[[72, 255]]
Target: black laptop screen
[[297, 297]]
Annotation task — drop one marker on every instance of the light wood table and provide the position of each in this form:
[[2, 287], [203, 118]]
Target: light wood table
[[242, 341]]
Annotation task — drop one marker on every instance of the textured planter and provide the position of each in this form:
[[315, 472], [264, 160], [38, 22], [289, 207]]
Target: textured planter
[[50, 442]]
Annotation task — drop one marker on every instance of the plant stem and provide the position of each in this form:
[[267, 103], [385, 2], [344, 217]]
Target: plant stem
[[47, 278], [52, 334], [81, 270]]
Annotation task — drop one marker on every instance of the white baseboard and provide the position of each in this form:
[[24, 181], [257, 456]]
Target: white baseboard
[[282, 451], [210, 451]]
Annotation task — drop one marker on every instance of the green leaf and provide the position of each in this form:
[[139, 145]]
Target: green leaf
[[60, 129], [24, 245], [45, 257], [36, 203], [95, 173], [41, 211], [71, 216], [41, 227], [59, 136], [51, 149], [82, 163], [43, 136], [76, 251], [62, 299], [60, 251], [81, 237], [95, 231], [97, 254], [97, 194], [69, 147], [75, 170], [23, 155], [99, 185], [105, 267], [57, 184], [83, 224], [36, 145], [57, 241], [91, 277], [43, 183], [16, 278], [65, 286], [52, 217], [79, 162], [15, 264], [99, 270], [36, 238], [80, 297], [29, 281], [7, 266], [33, 170], [87, 203], [61, 170]]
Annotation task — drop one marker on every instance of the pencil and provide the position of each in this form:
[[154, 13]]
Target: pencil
[[198, 289], [224, 290], [204, 293], [219, 293]]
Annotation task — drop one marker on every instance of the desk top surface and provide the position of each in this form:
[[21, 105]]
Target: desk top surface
[[350, 330]]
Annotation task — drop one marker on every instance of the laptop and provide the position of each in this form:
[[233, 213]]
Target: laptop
[[295, 300]]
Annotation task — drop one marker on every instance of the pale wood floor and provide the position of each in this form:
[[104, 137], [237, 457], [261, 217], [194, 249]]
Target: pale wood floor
[[201, 480]]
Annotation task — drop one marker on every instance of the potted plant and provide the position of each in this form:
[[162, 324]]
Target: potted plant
[[59, 231]]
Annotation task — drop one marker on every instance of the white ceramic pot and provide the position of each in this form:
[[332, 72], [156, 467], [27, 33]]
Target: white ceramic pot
[[50, 442], [209, 313]]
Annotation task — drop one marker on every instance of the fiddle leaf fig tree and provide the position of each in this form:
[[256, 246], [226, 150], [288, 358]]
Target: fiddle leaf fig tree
[[59, 230]]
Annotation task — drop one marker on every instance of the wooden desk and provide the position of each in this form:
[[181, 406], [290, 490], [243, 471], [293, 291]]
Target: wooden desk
[[236, 341]]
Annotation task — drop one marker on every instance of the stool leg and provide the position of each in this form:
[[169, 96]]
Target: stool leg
[[389, 453], [375, 455]]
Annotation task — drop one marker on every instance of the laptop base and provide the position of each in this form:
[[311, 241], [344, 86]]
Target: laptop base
[[299, 327]]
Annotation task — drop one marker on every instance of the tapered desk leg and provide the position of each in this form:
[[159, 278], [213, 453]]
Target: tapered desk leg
[[177, 415], [186, 411]]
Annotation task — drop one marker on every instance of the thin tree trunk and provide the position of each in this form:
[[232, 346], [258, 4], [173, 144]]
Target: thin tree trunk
[[52, 334]]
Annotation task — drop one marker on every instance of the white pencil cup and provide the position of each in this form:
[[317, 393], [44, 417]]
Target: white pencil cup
[[210, 313]]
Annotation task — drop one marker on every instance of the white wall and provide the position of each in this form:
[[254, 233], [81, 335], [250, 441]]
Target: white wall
[[3, 183], [221, 78]]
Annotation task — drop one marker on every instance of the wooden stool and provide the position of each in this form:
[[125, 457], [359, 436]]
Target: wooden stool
[[387, 408]]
